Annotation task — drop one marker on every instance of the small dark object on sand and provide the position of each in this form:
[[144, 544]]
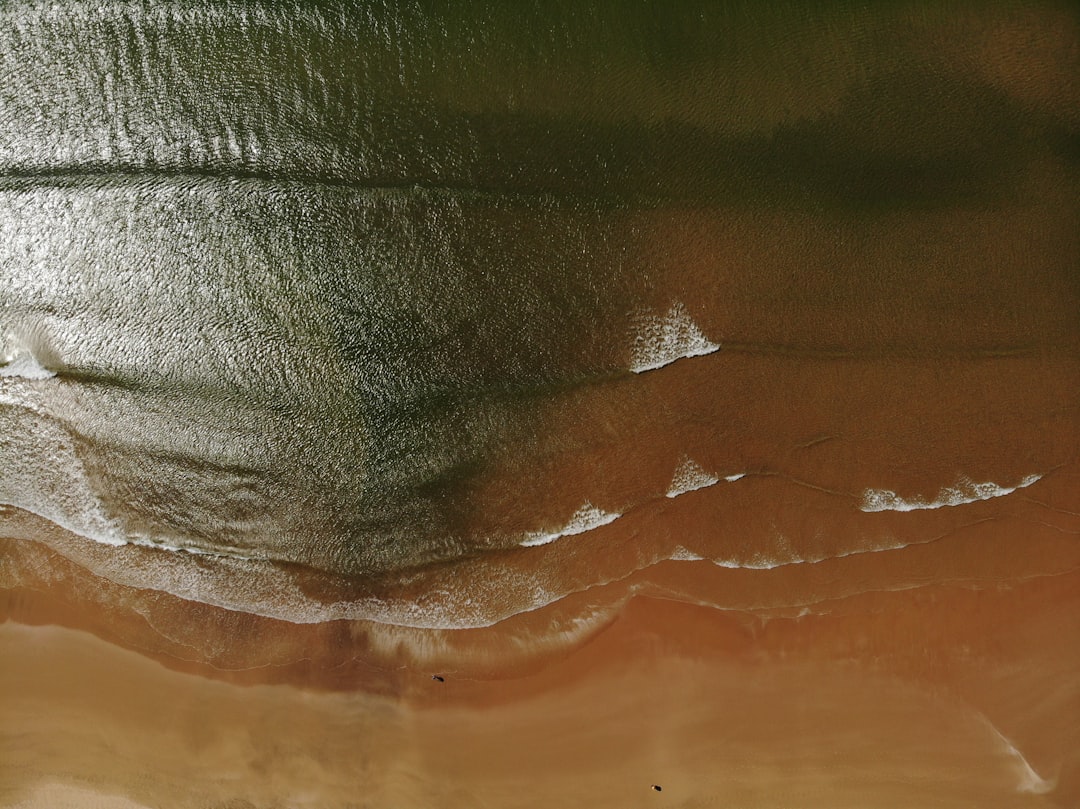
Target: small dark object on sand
[[657, 787], [437, 677]]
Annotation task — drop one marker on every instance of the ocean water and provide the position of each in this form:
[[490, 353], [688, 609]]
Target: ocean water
[[389, 323]]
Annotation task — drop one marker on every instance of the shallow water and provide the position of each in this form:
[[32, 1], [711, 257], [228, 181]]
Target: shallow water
[[682, 386]]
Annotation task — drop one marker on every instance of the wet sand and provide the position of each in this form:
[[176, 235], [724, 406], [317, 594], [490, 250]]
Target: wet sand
[[946, 696]]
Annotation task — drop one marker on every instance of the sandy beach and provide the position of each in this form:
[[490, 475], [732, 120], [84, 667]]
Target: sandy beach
[[944, 696], [559, 406]]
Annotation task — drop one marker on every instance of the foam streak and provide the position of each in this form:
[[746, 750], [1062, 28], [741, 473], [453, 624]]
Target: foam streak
[[585, 519], [964, 492]]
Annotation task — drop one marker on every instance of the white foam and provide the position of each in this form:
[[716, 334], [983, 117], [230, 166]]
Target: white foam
[[24, 365], [690, 477], [966, 491], [662, 340], [584, 519], [58, 490], [20, 352], [219, 551], [761, 561], [681, 554]]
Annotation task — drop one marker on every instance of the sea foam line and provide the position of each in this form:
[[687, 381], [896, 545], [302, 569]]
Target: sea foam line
[[661, 341], [24, 365], [966, 491], [763, 562], [1029, 780], [584, 519], [690, 476]]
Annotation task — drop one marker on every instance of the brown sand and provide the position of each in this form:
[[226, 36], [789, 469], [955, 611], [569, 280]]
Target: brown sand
[[894, 699]]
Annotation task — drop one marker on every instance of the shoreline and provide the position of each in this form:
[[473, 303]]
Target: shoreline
[[667, 689]]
